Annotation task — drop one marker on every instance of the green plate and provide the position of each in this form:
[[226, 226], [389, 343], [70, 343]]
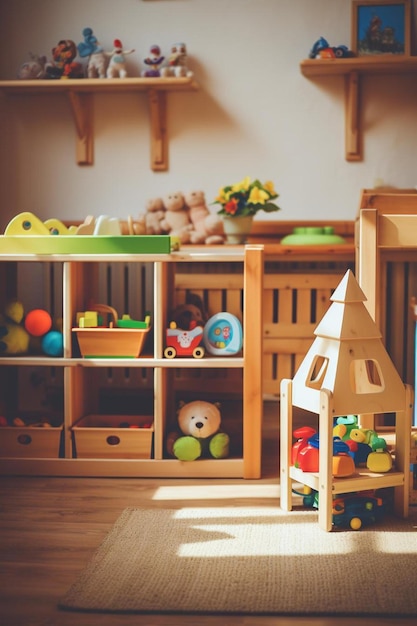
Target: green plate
[[312, 236]]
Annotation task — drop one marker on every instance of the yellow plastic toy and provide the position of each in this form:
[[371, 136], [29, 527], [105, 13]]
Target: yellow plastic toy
[[27, 223]]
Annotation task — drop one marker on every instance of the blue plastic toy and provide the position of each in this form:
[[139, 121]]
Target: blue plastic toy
[[223, 335]]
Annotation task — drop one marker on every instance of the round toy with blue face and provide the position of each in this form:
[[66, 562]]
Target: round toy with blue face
[[223, 335]]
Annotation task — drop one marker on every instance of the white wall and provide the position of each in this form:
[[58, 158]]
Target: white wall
[[254, 114]]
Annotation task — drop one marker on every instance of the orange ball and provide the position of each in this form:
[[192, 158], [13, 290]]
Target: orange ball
[[38, 322]]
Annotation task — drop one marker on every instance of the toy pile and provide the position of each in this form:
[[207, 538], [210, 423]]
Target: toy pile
[[21, 333], [101, 63]]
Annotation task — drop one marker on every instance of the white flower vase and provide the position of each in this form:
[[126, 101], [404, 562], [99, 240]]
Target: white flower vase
[[237, 229]]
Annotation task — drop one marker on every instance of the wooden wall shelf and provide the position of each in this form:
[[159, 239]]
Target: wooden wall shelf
[[80, 94], [352, 70]]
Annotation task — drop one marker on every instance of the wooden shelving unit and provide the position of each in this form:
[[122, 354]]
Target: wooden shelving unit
[[77, 276], [353, 69], [80, 94]]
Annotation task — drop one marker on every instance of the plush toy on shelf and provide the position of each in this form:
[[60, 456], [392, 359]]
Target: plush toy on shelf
[[30, 333], [154, 61], [200, 434], [177, 62], [33, 69], [207, 227], [14, 338], [117, 64], [97, 58], [176, 221], [154, 216], [64, 65], [192, 311]]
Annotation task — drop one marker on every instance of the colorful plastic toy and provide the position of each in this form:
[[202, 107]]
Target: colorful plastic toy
[[38, 322], [356, 510], [302, 435], [182, 342], [223, 335], [322, 50]]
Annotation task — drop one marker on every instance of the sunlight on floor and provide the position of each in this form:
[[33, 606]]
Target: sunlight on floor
[[208, 492], [267, 531]]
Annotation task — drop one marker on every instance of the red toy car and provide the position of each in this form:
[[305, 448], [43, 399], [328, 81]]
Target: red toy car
[[182, 342]]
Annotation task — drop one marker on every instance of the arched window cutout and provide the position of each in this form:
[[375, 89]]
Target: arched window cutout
[[317, 372], [366, 376]]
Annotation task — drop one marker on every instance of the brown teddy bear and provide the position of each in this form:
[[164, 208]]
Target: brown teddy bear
[[176, 221], [192, 310], [154, 216], [207, 227]]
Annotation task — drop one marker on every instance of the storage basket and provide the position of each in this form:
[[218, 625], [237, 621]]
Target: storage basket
[[112, 342], [113, 437], [30, 442]]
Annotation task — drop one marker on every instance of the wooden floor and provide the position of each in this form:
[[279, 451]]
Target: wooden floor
[[50, 527]]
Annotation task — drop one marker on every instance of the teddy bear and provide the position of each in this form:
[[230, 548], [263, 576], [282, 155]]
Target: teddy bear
[[154, 216], [200, 435], [176, 221], [191, 313], [207, 227]]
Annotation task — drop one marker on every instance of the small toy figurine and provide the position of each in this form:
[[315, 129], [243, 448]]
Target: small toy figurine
[[154, 61], [33, 69], [117, 65], [322, 50], [64, 66], [91, 48], [177, 62]]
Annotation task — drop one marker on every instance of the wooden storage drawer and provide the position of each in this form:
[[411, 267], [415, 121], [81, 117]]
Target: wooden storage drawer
[[30, 442], [113, 437]]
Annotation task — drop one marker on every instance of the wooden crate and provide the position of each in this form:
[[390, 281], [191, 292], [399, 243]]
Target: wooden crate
[[113, 437], [30, 442]]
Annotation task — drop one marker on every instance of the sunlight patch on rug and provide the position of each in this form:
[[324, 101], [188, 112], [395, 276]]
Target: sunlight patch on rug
[[249, 560]]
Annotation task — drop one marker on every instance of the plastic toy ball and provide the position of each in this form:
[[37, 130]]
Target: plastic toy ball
[[38, 322], [52, 343]]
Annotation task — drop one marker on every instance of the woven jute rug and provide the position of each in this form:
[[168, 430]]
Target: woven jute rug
[[249, 560]]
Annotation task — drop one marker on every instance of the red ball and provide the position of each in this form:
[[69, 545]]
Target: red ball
[[38, 322]]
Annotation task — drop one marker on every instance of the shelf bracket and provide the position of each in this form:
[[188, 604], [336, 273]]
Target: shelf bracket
[[353, 138], [159, 144], [82, 110]]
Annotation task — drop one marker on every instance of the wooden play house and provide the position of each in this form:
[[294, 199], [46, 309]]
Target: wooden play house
[[347, 370]]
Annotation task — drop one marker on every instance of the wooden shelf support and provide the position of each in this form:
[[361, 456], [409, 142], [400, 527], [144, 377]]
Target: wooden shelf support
[[352, 69], [353, 135], [82, 110], [80, 95], [159, 144]]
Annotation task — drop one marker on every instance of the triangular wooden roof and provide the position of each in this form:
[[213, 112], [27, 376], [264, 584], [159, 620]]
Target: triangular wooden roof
[[348, 359]]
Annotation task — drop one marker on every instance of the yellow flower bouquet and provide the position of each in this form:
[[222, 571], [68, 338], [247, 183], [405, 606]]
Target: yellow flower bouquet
[[247, 198]]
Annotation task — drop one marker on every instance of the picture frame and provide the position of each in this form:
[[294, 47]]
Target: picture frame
[[381, 27]]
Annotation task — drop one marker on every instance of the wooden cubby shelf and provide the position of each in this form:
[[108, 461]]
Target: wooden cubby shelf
[[149, 385], [352, 69], [80, 94]]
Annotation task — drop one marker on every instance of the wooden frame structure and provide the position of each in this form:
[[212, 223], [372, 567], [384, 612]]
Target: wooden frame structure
[[346, 371]]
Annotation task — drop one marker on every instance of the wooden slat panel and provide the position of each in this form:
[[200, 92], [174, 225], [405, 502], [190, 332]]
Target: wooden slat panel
[[285, 315]]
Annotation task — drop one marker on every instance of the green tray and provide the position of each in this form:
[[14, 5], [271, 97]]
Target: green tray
[[312, 236], [85, 244]]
